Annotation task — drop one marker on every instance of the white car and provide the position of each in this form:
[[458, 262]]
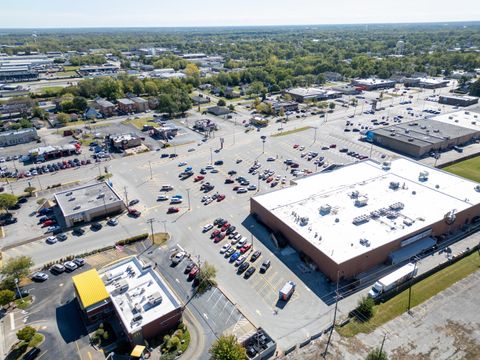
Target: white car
[[241, 190], [208, 200], [52, 240], [225, 248], [242, 242], [162, 198], [251, 187], [178, 257], [207, 227], [240, 260], [271, 158], [70, 265], [209, 167], [301, 148]]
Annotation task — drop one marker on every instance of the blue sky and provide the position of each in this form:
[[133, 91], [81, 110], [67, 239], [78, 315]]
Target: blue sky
[[158, 13]]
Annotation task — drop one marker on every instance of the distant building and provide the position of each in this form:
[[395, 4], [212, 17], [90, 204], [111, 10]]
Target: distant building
[[427, 83], [258, 121], [205, 125], [347, 90], [218, 110], [92, 113], [139, 297], [126, 106], [105, 107], [141, 105], [88, 203], [44, 153], [17, 74], [373, 84], [125, 141], [304, 94], [200, 100], [458, 100], [285, 105], [21, 136], [98, 70]]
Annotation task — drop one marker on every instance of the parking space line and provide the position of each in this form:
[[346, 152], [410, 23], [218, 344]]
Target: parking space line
[[234, 309], [219, 298], [213, 292], [78, 350]]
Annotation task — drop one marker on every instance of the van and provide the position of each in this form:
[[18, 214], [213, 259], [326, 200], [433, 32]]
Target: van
[[166, 188]]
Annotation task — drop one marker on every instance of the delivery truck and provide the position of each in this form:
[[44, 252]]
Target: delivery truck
[[393, 279], [287, 290]]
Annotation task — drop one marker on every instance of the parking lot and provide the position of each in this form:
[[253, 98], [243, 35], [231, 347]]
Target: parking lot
[[142, 176]]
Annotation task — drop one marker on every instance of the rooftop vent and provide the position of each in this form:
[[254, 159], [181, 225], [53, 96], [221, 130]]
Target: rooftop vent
[[391, 215], [397, 206], [375, 214], [423, 127], [354, 194], [410, 139], [155, 298], [423, 176], [394, 185], [364, 242], [436, 130], [407, 222], [325, 209], [303, 221], [386, 165]]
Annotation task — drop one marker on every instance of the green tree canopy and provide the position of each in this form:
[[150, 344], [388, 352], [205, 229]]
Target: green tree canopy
[[206, 277], [17, 267], [364, 309], [6, 297], [26, 334], [221, 102], [226, 347], [63, 118], [7, 200], [475, 88], [377, 354]]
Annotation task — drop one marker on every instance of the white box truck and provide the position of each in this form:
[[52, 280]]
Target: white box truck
[[287, 290], [393, 279]]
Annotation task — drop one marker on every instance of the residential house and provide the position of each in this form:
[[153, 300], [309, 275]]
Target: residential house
[[126, 106]]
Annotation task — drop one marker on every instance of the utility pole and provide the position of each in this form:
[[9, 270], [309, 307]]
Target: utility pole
[[334, 318], [211, 157], [410, 288], [164, 222], [251, 233], [315, 135], [151, 221], [126, 194], [188, 197], [381, 347], [150, 165]]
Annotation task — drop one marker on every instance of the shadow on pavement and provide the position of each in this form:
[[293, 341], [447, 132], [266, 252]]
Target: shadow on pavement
[[69, 321]]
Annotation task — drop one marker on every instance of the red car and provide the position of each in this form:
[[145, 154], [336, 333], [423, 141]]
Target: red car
[[270, 179], [333, 146], [134, 213], [245, 248], [214, 233], [219, 237], [220, 197], [198, 178], [295, 146], [294, 166], [194, 272], [235, 188], [172, 210], [49, 222], [225, 226]]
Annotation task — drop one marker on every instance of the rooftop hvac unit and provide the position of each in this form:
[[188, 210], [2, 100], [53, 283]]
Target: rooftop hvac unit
[[155, 298], [325, 209], [450, 117], [477, 188], [391, 215], [456, 120], [474, 123], [392, 134], [303, 221], [407, 222], [423, 127], [375, 214], [410, 139], [407, 131], [361, 201], [397, 206], [137, 317], [436, 130], [394, 185], [354, 194], [137, 309], [386, 165], [364, 242], [423, 176], [362, 219]]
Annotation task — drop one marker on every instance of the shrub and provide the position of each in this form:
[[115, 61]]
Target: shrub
[[26, 334], [364, 309]]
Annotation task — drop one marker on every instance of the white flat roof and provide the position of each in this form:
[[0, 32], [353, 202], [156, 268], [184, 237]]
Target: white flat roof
[[144, 286], [424, 203], [466, 119]]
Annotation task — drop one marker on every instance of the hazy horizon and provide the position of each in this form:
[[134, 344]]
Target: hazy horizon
[[50, 14]]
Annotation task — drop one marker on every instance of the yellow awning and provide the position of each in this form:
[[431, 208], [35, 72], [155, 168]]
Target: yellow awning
[[90, 288], [137, 351]]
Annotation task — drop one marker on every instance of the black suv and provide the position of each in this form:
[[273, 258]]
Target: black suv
[[265, 266], [32, 354]]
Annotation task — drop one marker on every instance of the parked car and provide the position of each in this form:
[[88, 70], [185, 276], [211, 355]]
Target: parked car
[[57, 269], [134, 213], [112, 222], [194, 272], [51, 240], [133, 202], [96, 226], [70, 266], [249, 272], [79, 262], [235, 256], [242, 266], [225, 247], [78, 232], [265, 266], [245, 248], [172, 210], [39, 276], [255, 255], [207, 227], [31, 354], [62, 237]]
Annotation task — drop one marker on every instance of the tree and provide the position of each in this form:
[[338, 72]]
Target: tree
[[331, 106], [30, 190], [7, 201], [231, 107], [364, 309], [206, 277], [6, 297], [167, 104], [79, 103], [281, 112], [191, 70], [151, 88], [377, 354], [17, 267], [475, 88], [226, 347], [221, 102], [26, 334], [138, 87], [63, 118]]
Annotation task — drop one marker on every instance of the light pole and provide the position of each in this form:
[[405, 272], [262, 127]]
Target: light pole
[[151, 221], [164, 222], [315, 135], [188, 197], [211, 157], [410, 288], [264, 139], [251, 233], [150, 165], [18, 290]]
